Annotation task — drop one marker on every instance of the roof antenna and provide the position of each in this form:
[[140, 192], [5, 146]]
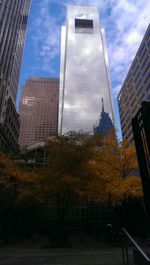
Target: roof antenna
[[102, 104]]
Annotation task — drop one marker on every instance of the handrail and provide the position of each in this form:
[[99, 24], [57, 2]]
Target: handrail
[[135, 244]]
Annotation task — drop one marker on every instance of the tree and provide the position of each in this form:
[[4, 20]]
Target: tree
[[80, 166], [91, 167], [19, 193], [67, 160], [115, 165]]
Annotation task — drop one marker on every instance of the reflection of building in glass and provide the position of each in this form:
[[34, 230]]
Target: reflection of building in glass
[[84, 77], [105, 122], [38, 110], [136, 87], [13, 23]]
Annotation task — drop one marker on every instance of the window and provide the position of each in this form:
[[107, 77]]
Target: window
[[83, 23], [146, 69], [148, 87], [83, 26], [146, 78], [136, 69], [145, 60], [142, 50], [142, 96]]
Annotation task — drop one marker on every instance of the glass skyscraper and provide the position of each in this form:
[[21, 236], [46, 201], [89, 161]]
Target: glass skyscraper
[[13, 23], [84, 77]]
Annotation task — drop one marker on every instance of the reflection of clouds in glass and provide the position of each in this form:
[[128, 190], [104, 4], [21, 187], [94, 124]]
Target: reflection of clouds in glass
[[84, 118], [71, 38], [81, 15], [88, 51]]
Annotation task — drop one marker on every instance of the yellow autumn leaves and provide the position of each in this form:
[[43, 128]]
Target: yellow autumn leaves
[[95, 168]]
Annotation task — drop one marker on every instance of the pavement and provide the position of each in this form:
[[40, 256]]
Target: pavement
[[85, 253], [14, 256]]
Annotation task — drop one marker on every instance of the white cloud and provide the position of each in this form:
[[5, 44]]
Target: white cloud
[[125, 28], [116, 90], [45, 33], [133, 37]]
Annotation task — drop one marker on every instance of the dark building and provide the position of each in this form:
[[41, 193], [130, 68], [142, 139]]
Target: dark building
[[136, 87], [141, 132], [105, 123], [13, 23], [38, 110]]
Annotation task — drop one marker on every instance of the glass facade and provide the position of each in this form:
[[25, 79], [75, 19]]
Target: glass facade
[[19, 49], [38, 110], [13, 23], [84, 77]]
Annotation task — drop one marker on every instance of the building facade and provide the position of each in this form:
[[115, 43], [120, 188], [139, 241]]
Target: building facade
[[38, 110], [84, 77], [13, 23], [136, 87], [141, 132]]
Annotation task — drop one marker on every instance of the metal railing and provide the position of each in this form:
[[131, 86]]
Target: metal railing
[[140, 257]]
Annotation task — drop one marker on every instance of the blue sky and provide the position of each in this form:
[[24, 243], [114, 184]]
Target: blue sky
[[124, 21]]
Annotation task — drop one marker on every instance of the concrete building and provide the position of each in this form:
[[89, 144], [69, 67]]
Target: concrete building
[[136, 87], [13, 23], [38, 110], [84, 77]]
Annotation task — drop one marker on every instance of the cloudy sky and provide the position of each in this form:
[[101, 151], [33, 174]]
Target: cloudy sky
[[124, 21]]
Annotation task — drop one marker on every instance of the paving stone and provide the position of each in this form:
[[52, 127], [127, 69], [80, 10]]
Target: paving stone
[[80, 256]]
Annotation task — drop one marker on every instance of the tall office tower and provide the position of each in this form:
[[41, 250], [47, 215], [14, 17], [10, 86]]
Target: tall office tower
[[38, 110], [136, 87], [84, 77], [13, 23]]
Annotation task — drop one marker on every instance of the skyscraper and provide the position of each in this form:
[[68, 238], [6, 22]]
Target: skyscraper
[[84, 77], [136, 87], [13, 23], [38, 110], [105, 123]]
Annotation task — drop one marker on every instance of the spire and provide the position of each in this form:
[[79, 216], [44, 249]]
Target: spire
[[102, 105]]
